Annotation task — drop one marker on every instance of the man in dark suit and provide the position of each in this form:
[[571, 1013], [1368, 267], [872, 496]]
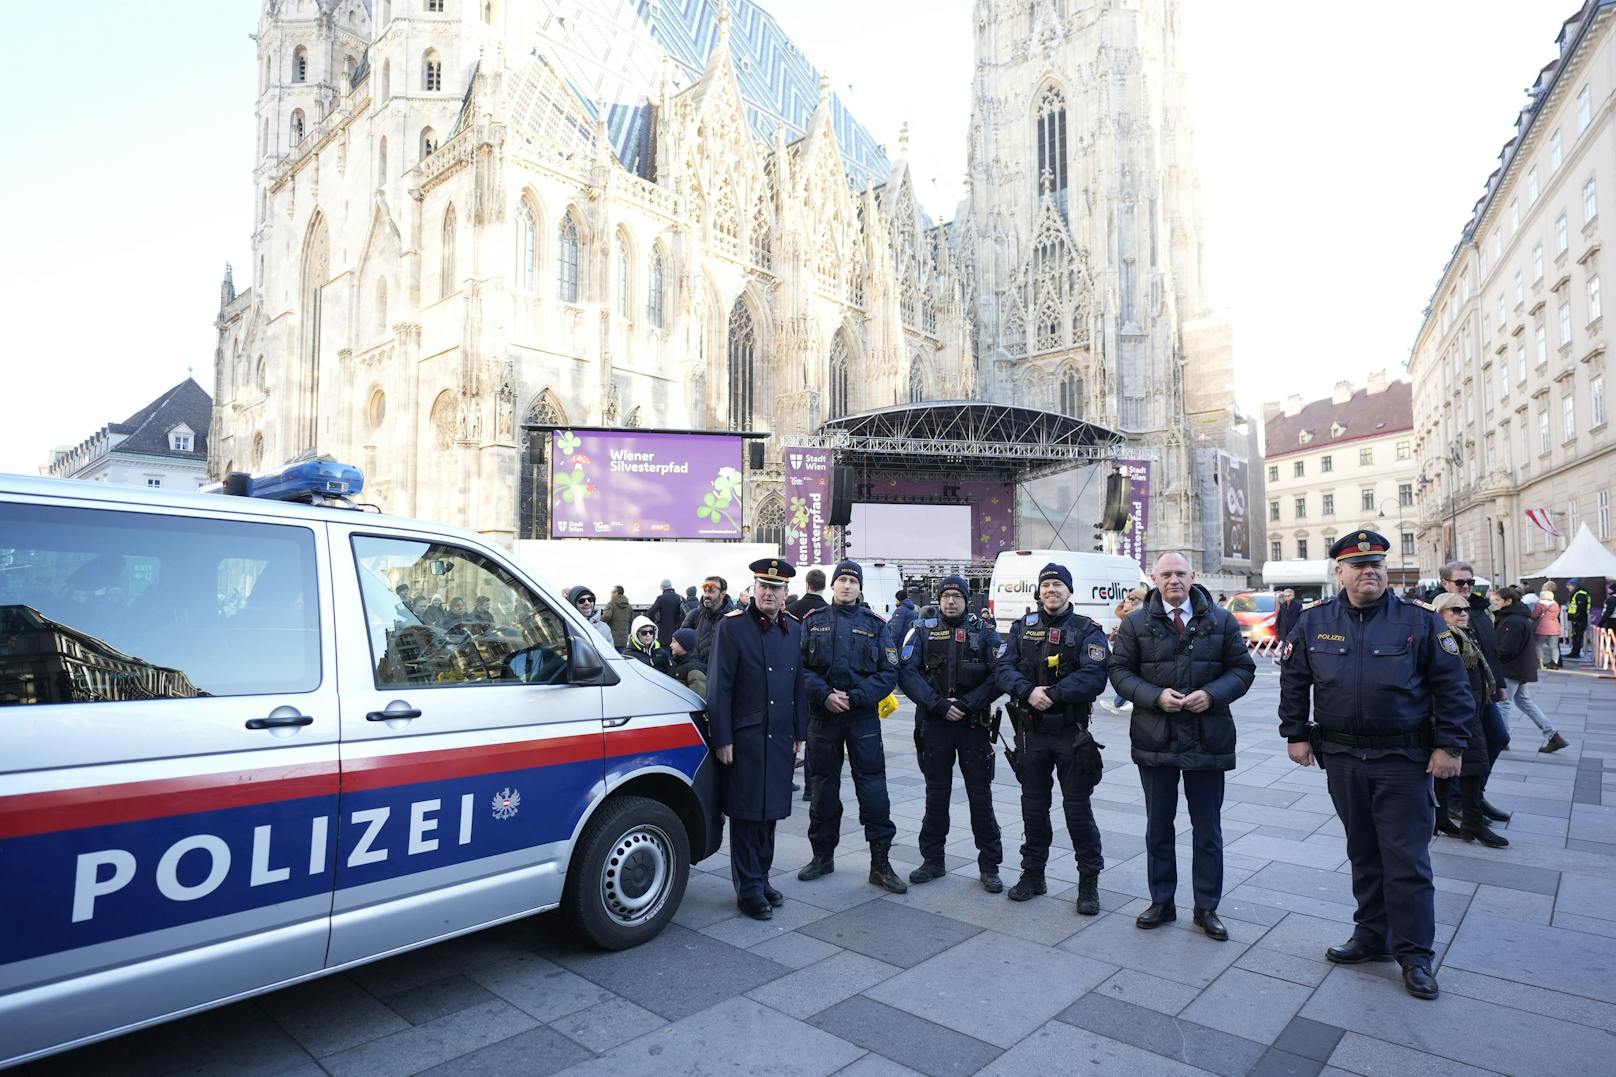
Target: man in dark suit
[[757, 702]]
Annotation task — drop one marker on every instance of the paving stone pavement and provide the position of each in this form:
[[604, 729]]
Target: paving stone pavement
[[949, 980]]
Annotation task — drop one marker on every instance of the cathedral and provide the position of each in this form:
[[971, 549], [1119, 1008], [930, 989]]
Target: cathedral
[[475, 215]]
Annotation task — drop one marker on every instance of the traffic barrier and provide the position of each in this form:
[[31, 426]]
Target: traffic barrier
[[1267, 648], [1605, 652]]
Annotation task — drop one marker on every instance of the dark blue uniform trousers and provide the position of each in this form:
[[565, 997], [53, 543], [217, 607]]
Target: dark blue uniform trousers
[[751, 856], [1388, 811], [1203, 791], [1044, 756], [861, 740], [941, 743]]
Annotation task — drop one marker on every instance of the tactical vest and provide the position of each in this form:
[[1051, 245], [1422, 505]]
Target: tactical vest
[[955, 659], [1048, 654]]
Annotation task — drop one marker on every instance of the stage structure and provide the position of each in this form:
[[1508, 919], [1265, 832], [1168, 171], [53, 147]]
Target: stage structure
[[934, 485]]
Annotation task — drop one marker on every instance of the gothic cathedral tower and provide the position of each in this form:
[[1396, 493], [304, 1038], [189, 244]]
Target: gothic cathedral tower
[[1081, 240]]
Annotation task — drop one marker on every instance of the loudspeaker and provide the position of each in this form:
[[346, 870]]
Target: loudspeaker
[[1117, 489], [841, 497], [754, 455]]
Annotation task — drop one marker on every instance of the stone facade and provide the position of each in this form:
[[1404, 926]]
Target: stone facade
[[1080, 245], [1342, 463], [1510, 368]]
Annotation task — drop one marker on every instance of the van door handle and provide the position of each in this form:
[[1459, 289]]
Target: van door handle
[[389, 715], [280, 718]]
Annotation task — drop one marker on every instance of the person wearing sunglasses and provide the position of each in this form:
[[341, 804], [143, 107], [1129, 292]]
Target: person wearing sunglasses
[[1458, 578], [643, 646]]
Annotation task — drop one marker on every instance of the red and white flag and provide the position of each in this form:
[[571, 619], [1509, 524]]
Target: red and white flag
[[1545, 521]]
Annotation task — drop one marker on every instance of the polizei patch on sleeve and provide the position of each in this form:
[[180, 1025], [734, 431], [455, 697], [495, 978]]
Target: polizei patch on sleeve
[[1096, 653], [892, 656], [1447, 642]]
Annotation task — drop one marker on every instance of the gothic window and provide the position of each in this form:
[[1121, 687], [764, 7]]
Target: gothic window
[[444, 420], [429, 142], [261, 375], [726, 222], [838, 377], [381, 307], [829, 271], [300, 64], [762, 252], [381, 161], [1052, 145], [348, 65], [567, 261], [742, 366], [297, 126], [653, 291], [908, 302], [917, 379], [527, 246], [769, 525], [448, 270], [1071, 393], [1047, 329], [928, 315], [432, 72], [1015, 330]]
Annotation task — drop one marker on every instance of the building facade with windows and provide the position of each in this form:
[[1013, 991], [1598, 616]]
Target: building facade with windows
[[477, 214], [1510, 369], [164, 445], [1340, 464]]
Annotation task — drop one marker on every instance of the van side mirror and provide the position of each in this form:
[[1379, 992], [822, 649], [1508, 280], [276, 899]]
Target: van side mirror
[[587, 666]]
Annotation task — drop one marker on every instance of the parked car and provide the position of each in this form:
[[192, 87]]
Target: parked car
[[1253, 608]]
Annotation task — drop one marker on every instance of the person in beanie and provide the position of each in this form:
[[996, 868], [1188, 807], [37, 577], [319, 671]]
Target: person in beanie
[[686, 670], [643, 646], [583, 600], [666, 613], [850, 664], [1182, 661], [946, 667], [1053, 668]]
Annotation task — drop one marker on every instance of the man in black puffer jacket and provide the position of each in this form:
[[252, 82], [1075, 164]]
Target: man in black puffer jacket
[[1182, 661]]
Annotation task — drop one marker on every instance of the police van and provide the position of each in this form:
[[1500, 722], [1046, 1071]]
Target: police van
[[251, 740]]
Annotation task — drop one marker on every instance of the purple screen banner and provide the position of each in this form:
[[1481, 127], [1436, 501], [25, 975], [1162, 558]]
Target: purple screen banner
[[1138, 531], [807, 505], [611, 484]]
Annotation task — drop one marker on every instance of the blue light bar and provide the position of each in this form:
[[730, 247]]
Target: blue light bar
[[298, 482]]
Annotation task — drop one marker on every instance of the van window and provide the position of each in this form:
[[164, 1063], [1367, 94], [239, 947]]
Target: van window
[[440, 616], [101, 606]]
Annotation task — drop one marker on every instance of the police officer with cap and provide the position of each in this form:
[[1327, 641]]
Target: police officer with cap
[[850, 664], [757, 707], [1053, 667], [946, 667], [1390, 700]]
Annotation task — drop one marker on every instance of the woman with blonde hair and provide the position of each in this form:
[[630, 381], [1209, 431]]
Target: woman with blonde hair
[[1546, 617]]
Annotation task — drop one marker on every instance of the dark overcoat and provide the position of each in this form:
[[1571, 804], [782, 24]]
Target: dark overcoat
[[1149, 656], [757, 701]]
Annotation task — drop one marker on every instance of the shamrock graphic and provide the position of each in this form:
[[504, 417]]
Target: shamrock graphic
[[799, 511], [573, 487], [728, 483], [569, 443]]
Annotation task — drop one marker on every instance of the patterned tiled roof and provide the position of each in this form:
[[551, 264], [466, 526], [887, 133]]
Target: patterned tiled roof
[[612, 50], [1324, 423]]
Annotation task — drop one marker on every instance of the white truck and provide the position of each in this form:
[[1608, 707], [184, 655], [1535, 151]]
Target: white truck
[[1313, 581]]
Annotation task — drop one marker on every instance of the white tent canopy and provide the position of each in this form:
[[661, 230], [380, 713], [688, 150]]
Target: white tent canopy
[[1584, 557]]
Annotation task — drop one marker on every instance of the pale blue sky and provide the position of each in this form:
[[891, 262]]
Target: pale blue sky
[[1341, 149]]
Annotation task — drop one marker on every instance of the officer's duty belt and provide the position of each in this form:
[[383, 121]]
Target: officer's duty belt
[[1419, 739]]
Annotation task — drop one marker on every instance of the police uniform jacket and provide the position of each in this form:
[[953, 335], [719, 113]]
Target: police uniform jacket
[[756, 702], [940, 651], [1389, 669], [847, 649], [1577, 608], [1149, 655], [1077, 646]]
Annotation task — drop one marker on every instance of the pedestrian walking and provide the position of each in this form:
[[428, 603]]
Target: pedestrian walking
[[1182, 661], [758, 711], [715, 603], [946, 668], [1390, 701], [850, 664], [1546, 619], [1285, 614], [1516, 652], [666, 614], [1053, 668]]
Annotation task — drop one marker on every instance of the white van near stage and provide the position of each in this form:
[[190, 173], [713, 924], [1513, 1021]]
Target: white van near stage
[[1099, 580]]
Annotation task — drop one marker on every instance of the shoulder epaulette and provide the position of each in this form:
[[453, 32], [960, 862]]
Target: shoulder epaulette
[[736, 612]]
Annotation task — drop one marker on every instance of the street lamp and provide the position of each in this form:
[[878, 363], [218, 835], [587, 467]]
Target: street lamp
[[1454, 458], [1402, 551]]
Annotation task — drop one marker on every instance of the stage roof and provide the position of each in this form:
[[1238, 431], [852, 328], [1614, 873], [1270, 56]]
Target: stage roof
[[964, 437]]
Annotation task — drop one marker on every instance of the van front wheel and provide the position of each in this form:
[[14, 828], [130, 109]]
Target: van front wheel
[[629, 873]]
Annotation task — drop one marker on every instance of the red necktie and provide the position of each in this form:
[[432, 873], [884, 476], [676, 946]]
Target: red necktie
[[1178, 620]]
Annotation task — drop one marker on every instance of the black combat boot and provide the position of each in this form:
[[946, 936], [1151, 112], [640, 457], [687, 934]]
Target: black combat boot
[[881, 873], [925, 873], [1088, 894], [818, 867], [1028, 887]]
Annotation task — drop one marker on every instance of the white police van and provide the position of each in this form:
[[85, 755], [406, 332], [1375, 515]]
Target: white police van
[[236, 752]]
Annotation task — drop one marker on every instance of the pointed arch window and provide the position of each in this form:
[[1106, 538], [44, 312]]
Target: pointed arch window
[[448, 268], [431, 72], [300, 64], [742, 366], [653, 291], [1047, 329], [909, 302], [1052, 145], [625, 280], [298, 129], [527, 246], [928, 315], [726, 223], [567, 261], [917, 379], [429, 142], [762, 250], [1071, 393], [838, 377], [855, 284], [770, 523]]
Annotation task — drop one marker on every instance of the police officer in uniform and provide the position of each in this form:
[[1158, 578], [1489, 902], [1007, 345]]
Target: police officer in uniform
[[946, 667], [850, 664], [1390, 700], [1053, 667], [758, 709]]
